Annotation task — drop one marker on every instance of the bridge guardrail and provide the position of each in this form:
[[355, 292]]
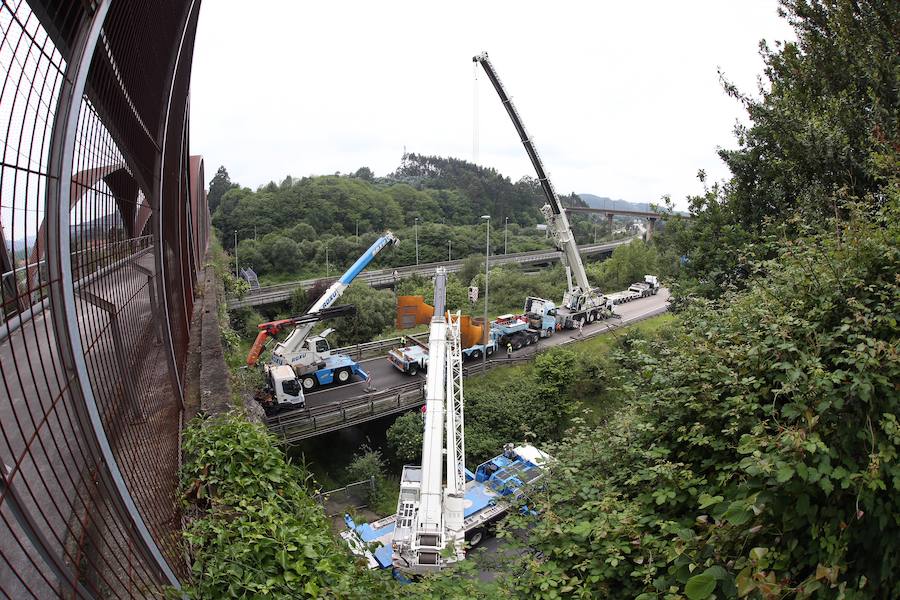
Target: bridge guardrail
[[301, 424]]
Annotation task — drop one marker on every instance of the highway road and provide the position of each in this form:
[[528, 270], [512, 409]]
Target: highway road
[[384, 376], [386, 277]]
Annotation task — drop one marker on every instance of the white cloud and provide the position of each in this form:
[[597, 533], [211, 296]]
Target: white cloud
[[623, 99]]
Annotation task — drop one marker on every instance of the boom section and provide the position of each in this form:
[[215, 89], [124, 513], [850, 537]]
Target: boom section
[[553, 212], [293, 343]]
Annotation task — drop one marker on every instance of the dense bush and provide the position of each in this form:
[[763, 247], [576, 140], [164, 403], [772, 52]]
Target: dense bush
[[758, 455], [257, 531]]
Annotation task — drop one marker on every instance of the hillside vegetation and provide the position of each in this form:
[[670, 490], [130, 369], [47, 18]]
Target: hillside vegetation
[[284, 229], [747, 449]]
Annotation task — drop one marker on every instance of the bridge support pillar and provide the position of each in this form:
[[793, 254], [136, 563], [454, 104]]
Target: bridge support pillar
[[651, 227], [609, 223]]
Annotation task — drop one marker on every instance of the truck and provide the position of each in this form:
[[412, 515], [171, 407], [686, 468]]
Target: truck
[[413, 358], [496, 487], [581, 302], [641, 289], [282, 391], [311, 357]]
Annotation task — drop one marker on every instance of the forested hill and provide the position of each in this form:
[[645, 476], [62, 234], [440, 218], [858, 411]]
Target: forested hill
[[489, 191], [284, 228]]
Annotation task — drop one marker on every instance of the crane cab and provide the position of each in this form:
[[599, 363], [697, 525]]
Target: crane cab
[[313, 353], [284, 391]]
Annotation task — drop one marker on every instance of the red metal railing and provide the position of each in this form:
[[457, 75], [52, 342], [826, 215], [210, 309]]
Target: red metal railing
[[104, 226]]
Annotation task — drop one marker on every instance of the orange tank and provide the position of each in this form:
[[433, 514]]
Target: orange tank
[[413, 310]]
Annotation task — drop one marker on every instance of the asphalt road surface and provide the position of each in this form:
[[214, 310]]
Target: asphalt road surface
[[385, 376]]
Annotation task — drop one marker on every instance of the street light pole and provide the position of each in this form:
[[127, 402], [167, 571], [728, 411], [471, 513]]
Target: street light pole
[[327, 265], [505, 238], [486, 330], [236, 272], [417, 241], [449, 249]]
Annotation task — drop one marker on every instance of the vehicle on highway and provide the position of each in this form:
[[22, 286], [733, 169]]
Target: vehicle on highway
[[310, 357]]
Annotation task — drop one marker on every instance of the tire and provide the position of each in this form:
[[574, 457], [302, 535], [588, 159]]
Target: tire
[[476, 354], [527, 340], [490, 351], [309, 383], [413, 370], [592, 316], [343, 376], [549, 332], [517, 345], [477, 538]]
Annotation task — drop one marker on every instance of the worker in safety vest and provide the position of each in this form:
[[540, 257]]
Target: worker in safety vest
[[508, 349]]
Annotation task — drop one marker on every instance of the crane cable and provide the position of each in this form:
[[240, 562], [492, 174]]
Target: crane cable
[[475, 66]]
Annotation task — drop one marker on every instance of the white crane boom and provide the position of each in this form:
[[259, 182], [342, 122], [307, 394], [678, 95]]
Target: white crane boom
[[430, 515], [284, 352], [553, 211]]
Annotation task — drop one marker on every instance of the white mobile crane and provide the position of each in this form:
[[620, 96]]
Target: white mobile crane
[[310, 357], [581, 302], [436, 521], [429, 515]]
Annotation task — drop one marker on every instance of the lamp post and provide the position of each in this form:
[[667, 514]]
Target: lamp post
[[417, 241], [449, 249], [236, 272], [327, 265], [505, 238], [487, 254], [357, 232]]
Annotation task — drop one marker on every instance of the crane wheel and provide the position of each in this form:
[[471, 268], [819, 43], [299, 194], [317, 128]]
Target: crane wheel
[[413, 370], [343, 375], [309, 383], [477, 538], [476, 354]]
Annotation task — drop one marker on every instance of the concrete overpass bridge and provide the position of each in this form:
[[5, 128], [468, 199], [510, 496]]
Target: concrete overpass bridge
[[388, 277], [651, 216]]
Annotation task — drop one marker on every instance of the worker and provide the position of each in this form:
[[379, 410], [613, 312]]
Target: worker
[[508, 349], [402, 341]]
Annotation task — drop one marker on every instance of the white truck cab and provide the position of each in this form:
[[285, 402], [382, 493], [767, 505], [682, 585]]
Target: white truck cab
[[284, 389], [313, 352]]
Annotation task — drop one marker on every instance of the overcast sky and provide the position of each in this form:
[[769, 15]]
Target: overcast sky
[[622, 98]]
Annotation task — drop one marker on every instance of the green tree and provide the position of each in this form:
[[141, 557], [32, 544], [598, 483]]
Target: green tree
[[472, 266], [283, 253], [404, 437], [825, 128], [366, 464], [375, 312], [218, 185], [628, 264], [364, 173]]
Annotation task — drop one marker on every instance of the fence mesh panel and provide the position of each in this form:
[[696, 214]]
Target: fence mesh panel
[[103, 229]]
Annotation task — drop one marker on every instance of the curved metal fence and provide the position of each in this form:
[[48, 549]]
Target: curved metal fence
[[104, 229]]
